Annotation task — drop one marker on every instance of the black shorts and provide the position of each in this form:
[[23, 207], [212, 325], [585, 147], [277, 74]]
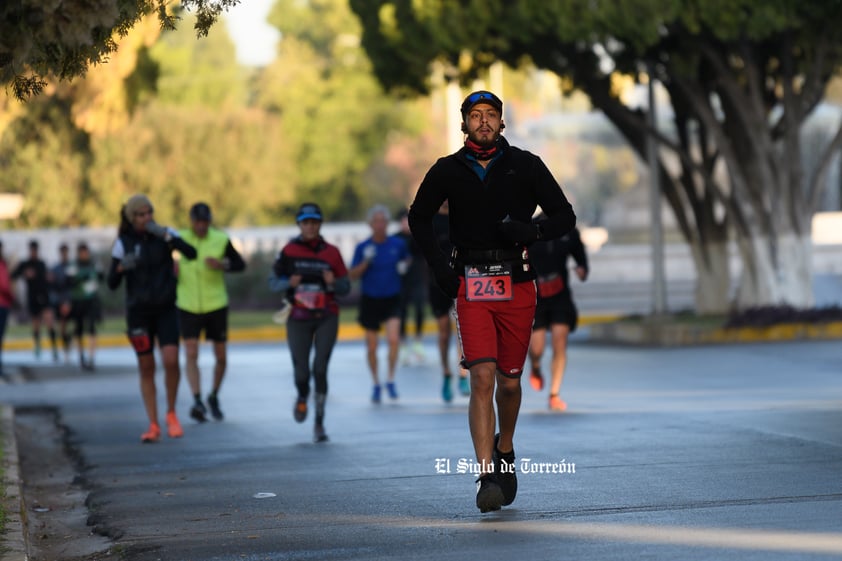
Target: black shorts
[[36, 304], [85, 315], [145, 327], [374, 311], [214, 324], [554, 310], [440, 303]]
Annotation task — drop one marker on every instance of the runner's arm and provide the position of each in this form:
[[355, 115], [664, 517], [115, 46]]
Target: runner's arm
[[577, 250], [560, 216], [115, 272], [234, 262], [279, 279], [114, 276], [187, 250], [428, 200], [342, 281]]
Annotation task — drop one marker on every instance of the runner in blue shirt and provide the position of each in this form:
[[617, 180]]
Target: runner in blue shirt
[[379, 262]]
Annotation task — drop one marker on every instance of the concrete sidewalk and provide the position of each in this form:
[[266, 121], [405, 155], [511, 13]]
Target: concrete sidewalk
[[693, 453]]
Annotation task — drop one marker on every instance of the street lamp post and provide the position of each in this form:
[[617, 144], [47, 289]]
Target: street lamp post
[[659, 294]]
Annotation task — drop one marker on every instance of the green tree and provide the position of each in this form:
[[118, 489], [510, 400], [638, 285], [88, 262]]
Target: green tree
[[45, 146], [44, 156], [336, 121], [80, 149], [179, 155], [65, 37], [198, 73], [741, 76]]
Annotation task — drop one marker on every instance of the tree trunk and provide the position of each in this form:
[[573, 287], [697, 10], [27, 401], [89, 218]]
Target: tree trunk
[[713, 277], [776, 274]]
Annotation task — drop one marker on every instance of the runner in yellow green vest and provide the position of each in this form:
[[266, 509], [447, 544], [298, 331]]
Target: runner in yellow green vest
[[202, 302]]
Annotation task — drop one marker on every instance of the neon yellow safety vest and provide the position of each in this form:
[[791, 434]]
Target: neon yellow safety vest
[[200, 288]]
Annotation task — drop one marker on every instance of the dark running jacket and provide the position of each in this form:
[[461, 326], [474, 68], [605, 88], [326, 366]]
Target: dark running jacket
[[150, 286], [515, 184], [549, 257]]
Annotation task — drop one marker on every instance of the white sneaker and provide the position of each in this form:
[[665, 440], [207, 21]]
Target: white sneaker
[[406, 355], [418, 351]]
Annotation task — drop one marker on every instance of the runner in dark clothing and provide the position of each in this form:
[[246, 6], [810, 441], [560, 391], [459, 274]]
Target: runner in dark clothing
[[85, 278], [35, 274], [493, 190], [555, 309], [312, 273], [441, 305], [413, 296], [142, 254], [7, 298], [60, 298]]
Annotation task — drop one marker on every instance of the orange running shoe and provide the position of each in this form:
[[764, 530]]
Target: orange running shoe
[[153, 434], [556, 403], [536, 380], [173, 426], [299, 412]]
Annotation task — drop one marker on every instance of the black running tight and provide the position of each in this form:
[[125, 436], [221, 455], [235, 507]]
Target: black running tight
[[304, 335]]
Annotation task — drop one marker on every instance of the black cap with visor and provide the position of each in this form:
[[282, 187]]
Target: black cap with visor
[[309, 210], [481, 96]]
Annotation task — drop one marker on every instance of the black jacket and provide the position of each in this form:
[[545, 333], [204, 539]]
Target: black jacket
[[515, 184], [151, 285], [550, 256]]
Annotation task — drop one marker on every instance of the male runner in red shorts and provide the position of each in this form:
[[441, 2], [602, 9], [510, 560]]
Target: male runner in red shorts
[[493, 189]]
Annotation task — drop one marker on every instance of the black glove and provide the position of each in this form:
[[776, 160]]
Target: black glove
[[446, 279], [129, 261], [157, 230], [519, 232]]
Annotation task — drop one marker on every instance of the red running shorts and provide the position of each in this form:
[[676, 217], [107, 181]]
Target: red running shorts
[[497, 331]]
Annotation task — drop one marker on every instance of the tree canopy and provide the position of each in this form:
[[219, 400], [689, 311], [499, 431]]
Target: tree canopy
[[65, 37], [335, 118], [179, 119], [741, 77]]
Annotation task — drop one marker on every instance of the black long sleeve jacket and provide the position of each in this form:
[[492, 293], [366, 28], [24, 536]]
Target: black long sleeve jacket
[[515, 184], [152, 283]]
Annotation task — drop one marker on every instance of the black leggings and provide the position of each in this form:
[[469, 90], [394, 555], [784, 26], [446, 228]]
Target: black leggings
[[303, 335]]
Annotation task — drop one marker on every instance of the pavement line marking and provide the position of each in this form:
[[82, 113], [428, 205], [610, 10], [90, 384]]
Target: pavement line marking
[[768, 540], [720, 538]]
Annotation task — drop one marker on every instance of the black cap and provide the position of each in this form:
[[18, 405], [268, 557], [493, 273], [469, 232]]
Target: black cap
[[309, 210], [200, 211], [480, 96]]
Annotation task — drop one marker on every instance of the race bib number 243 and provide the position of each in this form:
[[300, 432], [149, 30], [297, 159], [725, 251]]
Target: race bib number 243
[[491, 282]]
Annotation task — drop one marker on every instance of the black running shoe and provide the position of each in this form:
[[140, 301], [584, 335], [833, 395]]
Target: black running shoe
[[213, 403], [319, 434], [198, 412], [504, 467], [489, 493]]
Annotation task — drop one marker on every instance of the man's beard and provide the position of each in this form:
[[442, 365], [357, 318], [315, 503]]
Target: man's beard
[[486, 141]]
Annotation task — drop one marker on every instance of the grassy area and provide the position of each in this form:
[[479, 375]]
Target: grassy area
[[116, 324], [688, 318]]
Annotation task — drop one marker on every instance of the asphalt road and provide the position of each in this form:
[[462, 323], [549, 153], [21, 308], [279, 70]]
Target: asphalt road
[[693, 453]]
